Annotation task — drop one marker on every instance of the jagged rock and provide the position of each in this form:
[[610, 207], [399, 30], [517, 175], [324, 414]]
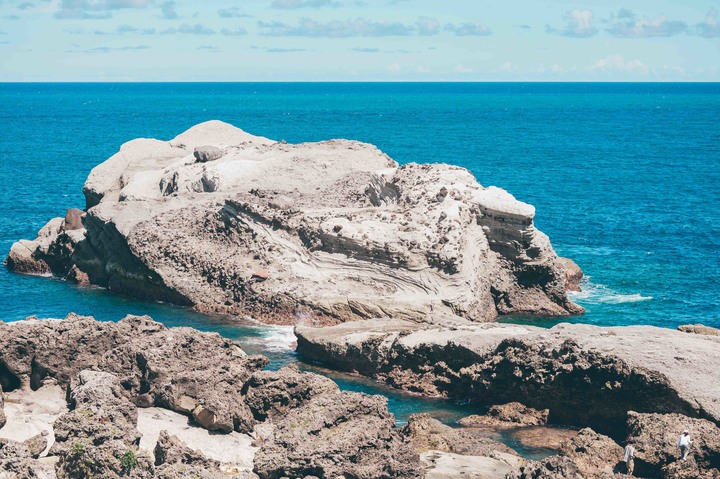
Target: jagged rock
[[426, 433], [573, 274], [340, 434], [199, 374], [346, 232], [553, 467], [508, 415], [655, 439], [585, 375], [73, 219], [171, 451], [98, 431], [16, 462], [36, 445], [274, 393], [3, 419], [688, 469], [207, 153], [594, 455], [699, 329]]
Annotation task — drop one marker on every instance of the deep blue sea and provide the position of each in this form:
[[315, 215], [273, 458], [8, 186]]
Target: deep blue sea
[[625, 178]]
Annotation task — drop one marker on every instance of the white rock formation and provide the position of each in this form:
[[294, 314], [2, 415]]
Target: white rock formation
[[323, 232]]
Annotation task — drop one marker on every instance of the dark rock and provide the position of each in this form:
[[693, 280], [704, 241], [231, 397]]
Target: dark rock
[[655, 438], [341, 434], [553, 467], [16, 461], [207, 153], [171, 450], [274, 393], [594, 454], [3, 419], [426, 433]]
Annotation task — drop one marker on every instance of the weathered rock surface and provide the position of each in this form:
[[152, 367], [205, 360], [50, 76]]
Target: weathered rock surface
[[699, 329], [426, 433], [508, 415], [446, 465], [198, 374], [339, 230], [655, 439], [573, 274], [310, 426], [341, 434], [585, 375], [3, 419]]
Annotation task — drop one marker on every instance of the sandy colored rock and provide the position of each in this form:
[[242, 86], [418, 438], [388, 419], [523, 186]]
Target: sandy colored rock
[[508, 415], [426, 434], [573, 274], [207, 153], [345, 232], [585, 375], [699, 329], [341, 434]]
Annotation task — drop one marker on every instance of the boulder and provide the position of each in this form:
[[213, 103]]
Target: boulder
[[573, 274], [426, 433], [655, 439], [512, 414], [16, 462], [594, 455], [345, 231], [73, 219], [272, 394], [699, 329], [98, 431], [207, 153], [341, 434]]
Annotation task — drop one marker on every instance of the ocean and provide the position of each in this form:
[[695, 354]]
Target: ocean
[[625, 178]]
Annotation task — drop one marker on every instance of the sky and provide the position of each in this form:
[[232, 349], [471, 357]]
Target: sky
[[359, 40]]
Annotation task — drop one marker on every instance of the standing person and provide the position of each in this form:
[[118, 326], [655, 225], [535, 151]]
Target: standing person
[[683, 444], [629, 459]]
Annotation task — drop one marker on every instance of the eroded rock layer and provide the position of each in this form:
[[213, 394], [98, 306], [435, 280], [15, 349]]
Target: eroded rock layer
[[228, 222], [584, 375]]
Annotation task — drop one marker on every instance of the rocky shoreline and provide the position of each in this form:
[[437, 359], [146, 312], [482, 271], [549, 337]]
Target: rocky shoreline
[[320, 233]]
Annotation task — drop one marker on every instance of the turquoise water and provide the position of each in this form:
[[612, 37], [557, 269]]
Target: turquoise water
[[625, 179]]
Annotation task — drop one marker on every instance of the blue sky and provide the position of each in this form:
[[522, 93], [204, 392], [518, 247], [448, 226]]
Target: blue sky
[[359, 40]]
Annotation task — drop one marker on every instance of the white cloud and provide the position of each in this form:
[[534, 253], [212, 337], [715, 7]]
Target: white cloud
[[462, 69], [617, 64], [709, 27], [578, 24], [394, 67], [628, 24]]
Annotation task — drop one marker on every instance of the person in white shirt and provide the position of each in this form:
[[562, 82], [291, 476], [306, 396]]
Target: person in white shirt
[[683, 444], [629, 459]]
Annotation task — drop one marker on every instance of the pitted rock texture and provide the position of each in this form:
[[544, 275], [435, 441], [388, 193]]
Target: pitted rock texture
[[341, 434], [655, 439], [508, 415], [340, 230], [585, 375], [198, 374], [426, 434]]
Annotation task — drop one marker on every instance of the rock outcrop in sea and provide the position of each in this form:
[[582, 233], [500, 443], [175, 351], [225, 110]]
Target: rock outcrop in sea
[[228, 222]]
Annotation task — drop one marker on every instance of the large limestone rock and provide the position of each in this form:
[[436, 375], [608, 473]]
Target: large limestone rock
[[585, 375], [321, 232], [508, 415]]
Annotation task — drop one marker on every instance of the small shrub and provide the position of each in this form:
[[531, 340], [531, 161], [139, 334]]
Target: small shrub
[[128, 461]]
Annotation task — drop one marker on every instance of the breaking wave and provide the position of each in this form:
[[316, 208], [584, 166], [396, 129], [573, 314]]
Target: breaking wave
[[593, 293]]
